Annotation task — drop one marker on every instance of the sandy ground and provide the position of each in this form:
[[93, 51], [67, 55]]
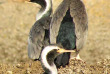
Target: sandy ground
[[75, 67], [16, 19]]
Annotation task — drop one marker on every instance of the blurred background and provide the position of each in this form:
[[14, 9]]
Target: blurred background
[[18, 16]]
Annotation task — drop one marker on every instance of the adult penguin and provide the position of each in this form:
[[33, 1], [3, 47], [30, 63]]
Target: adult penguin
[[69, 26], [39, 33]]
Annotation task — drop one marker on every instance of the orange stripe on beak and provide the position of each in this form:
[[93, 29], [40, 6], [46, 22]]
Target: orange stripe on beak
[[63, 50]]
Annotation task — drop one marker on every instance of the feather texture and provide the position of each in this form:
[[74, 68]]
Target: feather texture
[[38, 37]]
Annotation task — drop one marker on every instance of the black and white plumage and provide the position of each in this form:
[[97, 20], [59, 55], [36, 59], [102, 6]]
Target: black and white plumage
[[49, 53], [39, 33], [69, 26]]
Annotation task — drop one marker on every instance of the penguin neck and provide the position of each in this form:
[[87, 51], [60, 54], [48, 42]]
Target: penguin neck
[[46, 9], [47, 61], [48, 65]]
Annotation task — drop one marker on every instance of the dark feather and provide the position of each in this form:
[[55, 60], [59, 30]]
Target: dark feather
[[79, 15]]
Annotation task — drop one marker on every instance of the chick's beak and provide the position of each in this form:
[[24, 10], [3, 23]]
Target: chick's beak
[[63, 50]]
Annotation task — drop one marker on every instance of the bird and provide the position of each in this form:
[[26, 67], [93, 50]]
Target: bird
[[48, 54], [39, 33], [69, 27]]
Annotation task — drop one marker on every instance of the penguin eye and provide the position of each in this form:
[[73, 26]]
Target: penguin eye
[[58, 49]]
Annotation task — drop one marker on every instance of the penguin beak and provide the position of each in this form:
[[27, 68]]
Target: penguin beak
[[63, 50]]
